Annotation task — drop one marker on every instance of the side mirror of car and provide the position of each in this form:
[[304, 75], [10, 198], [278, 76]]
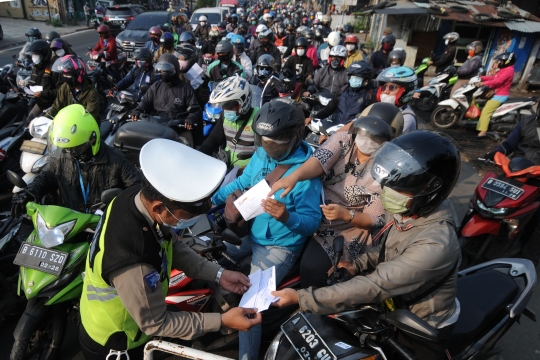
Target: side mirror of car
[[406, 321]]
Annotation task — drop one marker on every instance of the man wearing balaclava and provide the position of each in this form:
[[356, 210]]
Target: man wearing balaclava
[[379, 59]]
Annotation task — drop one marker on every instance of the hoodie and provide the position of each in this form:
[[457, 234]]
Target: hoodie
[[302, 202]]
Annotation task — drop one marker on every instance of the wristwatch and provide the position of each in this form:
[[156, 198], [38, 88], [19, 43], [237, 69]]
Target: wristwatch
[[218, 275], [352, 212]]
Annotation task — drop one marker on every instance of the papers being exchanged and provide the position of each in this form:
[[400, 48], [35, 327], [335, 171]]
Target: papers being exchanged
[[33, 89], [258, 295], [249, 204]]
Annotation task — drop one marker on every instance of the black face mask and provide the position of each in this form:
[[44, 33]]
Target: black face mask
[[224, 58], [82, 153], [72, 81], [264, 42], [167, 78], [334, 64]]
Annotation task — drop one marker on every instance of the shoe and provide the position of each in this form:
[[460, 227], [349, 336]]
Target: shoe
[[482, 133]]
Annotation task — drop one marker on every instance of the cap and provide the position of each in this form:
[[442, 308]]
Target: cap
[[387, 31], [179, 172]]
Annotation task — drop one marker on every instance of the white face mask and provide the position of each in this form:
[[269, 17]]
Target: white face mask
[[447, 42], [391, 99], [365, 144], [350, 47], [36, 59], [60, 52], [301, 52]]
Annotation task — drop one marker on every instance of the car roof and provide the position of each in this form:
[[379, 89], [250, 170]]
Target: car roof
[[127, 6], [212, 9]]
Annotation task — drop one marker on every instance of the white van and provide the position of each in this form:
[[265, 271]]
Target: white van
[[214, 15]]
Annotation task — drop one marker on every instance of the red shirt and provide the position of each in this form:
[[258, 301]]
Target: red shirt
[[109, 51]]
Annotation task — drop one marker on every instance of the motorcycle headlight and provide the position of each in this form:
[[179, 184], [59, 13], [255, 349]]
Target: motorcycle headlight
[[38, 165], [51, 237], [494, 211], [324, 100]]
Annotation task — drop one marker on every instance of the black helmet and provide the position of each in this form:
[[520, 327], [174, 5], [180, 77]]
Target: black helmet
[[423, 163], [40, 47], [391, 39], [389, 113], [301, 41], [186, 37], [164, 28], [167, 40], [51, 35], [188, 51], [476, 46], [505, 59], [266, 65], [143, 54], [318, 33], [348, 28], [224, 46], [33, 33], [166, 71], [397, 54], [279, 127], [222, 24], [361, 68], [308, 34], [243, 27], [371, 132]]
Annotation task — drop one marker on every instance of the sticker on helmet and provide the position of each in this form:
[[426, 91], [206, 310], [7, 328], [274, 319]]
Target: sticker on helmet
[[389, 74], [61, 140], [264, 126]]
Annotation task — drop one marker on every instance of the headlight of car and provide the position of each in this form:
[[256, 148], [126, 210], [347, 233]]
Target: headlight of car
[[39, 164], [494, 211], [55, 236]]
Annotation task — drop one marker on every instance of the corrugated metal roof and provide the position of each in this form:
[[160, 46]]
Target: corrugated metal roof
[[469, 17], [422, 5], [524, 26], [405, 8], [465, 2]]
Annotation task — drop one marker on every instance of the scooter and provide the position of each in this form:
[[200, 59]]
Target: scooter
[[492, 297], [317, 126], [118, 114], [51, 262], [99, 75], [504, 119], [11, 138], [500, 209], [421, 69], [438, 88]]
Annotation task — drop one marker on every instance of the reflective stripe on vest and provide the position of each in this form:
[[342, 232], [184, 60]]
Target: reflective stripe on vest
[[247, 137], [102, 311]]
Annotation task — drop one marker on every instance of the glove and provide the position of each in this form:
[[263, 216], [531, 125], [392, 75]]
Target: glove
[[189, 123], [135, 115], [18, 204], [490, 155]]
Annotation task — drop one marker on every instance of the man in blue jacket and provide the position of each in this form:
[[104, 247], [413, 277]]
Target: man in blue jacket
[[139, 75], [278, 235]]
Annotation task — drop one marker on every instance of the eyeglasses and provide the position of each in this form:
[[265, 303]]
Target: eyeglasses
[[387, 87]]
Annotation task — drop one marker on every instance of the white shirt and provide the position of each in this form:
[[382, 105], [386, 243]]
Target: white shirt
[[246, 64], [409, 120]]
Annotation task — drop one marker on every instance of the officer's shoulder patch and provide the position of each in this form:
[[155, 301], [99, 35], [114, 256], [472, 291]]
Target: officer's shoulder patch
[[152, 280]]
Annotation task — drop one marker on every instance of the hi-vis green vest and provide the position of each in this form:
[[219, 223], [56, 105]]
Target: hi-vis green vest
[[102, 311], [246, 142]]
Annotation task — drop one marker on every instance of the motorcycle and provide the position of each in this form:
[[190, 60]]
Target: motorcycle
[[318, 127], [504, 119], [11, 137], [438, 88], [207, 60], [500, 209], [100, 75], [492, 297], [7, 78], [118, 114], [51, 262], [421, 69]]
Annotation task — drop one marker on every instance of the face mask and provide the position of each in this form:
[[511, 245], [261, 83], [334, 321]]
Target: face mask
[[224, 58], [70, 80], [202, 23], [141, 64], [350, 47], [356, 81], [253, 23], [183, 64], [387, 46], [301, 52], [264, 72], [393, 201], [264, 42], [471, 53], [60, 52], [36, 59], [447, 42], [182, 223], [365, 144], [238, 50], [334, 64], [230, 115], [391, 99]]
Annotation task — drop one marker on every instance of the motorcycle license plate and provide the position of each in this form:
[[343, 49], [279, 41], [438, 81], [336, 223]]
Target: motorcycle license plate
[[116, 107], [46, 260], [305, 340], [503, 188]]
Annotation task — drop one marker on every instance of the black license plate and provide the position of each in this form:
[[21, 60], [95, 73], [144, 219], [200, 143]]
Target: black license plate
[[305, 340], [503, 188], [36, 257], [116, 107]]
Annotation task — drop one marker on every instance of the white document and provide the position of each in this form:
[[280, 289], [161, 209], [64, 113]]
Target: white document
[[258, 295], [249, 205], [194, 75], [36, 88], [28, 91]]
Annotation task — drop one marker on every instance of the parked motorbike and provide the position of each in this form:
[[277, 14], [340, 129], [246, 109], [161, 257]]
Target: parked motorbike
[[421, 69], [11, 138], [504, 119], [438, 89], [51, 261], [492, 297], [7, 79]]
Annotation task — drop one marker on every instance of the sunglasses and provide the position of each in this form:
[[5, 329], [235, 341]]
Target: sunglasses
[[387, 87]]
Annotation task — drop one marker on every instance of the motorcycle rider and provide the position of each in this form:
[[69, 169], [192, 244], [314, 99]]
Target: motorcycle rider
[[255, 43], [242, 30], [76, 89], [240, 55], [326, 28], [397, 57], [233, 23], [262, 78], [447, 57], [323, 51], [311, 51], [353, 52], [107, 46], [280, 39], [202, 31], [266, 47], [172, 97], [300, 65], [140, 74], [41, 75], [333, 76], [51, 35], [501, 83], [81, 167], [277, 236], [32, 34], [132, 253], [153, 43], [417, 255], [380, 57], [252, 24], [470, 67], [233, 95], [60, 47], [209, 46], [166, 46], [351, 99], [224, 66]]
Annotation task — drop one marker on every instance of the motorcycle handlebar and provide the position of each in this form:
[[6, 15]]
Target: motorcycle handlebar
[[400, 349], [228, 257]]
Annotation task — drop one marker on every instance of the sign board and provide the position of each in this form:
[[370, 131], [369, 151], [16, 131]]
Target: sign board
[[345, 2]]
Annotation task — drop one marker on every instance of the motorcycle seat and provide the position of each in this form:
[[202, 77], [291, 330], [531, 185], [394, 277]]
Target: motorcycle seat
[[521, 99], [105, 128], [483, 297]]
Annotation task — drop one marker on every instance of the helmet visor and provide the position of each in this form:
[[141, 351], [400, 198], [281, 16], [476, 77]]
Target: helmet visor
[[394, 167], [276, 148], [77, 151]]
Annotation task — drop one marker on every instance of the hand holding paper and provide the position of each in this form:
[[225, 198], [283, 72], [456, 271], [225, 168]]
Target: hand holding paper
[[259, 294], [250, 203]]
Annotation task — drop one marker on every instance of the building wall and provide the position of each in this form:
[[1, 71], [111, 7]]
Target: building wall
[[35, 9], [12, 9]]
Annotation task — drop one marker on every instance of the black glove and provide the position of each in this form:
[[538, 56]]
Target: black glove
[[490, 155], [18, 204], [189, 123]]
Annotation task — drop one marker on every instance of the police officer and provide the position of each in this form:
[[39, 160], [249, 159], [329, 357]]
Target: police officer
[[135, 248]]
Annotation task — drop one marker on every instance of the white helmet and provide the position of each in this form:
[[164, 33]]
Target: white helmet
[[334, 38], [267, 17], [301, 29], [261, 28], [203, 18], [235, 89], [339, 50]]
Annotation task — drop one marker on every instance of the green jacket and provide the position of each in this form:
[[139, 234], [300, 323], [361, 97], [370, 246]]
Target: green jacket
[[87, 97]]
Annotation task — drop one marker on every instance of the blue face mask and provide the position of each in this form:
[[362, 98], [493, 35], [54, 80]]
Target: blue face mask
[[356, 81], [182, 223], [230, 115]]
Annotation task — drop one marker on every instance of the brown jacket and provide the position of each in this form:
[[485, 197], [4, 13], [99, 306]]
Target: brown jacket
[[419, 255], [87, 97]]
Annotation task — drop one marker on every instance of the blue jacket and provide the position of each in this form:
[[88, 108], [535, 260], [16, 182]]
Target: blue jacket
[[137, 78], [302, 202], [153, 47]]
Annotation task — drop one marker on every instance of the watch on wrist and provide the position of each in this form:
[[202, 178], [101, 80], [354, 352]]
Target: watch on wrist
[[218, 275], [352, 213]]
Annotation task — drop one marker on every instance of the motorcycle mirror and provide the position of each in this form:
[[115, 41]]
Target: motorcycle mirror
[[309, 82], [145, 88], [229, 236], [16, 179], [173, 123], [407, 321], [108, 195], [338, 247], [110, 79]]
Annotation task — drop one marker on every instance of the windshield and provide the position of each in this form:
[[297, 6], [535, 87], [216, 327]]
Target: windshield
[[147, 20], [213, 18]]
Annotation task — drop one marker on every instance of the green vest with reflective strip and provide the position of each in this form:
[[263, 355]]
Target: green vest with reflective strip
[[246, 142], [102, 311]]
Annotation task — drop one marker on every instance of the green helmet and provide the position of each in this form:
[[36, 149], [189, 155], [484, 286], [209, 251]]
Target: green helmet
[[76, 131]]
